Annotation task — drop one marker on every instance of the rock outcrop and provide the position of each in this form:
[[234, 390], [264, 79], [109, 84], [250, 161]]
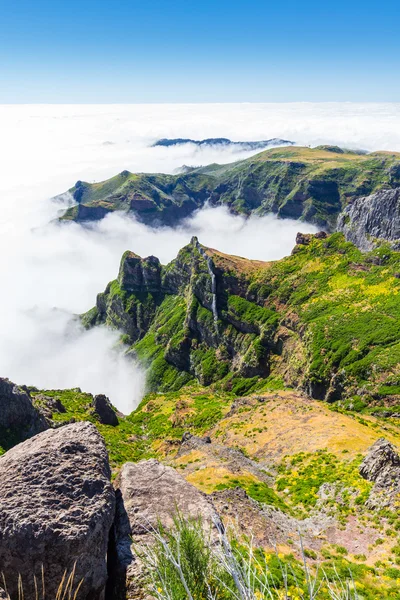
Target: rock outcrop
[[104, 410], [148, 493], [382, 467], [56, 509], [372, 219], [19, 419], [305, 239], [138, 274]]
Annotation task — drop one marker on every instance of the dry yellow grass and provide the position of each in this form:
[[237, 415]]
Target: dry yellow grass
[[287, 423], [206, 479], [310, 155], [238, 264]]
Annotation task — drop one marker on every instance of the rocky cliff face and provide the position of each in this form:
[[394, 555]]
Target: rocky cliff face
[[140, 275], [373, 219], [19, 419]]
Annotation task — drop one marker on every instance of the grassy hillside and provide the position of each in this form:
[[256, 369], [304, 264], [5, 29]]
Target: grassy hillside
[[312, 184], [277, 462]]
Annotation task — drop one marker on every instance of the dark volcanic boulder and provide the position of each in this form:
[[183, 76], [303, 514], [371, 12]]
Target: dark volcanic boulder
[[382, 466], [148, 493], [104, 411], [19, 419], [56, 509], [372, 219]]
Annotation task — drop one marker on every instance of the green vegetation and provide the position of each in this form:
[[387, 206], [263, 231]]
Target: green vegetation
[[170, 415], [252, 314], [297, 182], [349, 306], [184, 563], [258, 490], [124, 441], [302, 476], [326, 318], [167, 329]]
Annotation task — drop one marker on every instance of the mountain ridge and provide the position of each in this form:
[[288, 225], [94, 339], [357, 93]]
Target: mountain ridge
[[311, 184], [324, 320], [225, 142]]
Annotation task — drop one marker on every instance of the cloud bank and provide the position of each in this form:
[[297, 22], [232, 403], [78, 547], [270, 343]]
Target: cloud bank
[[50, 273]]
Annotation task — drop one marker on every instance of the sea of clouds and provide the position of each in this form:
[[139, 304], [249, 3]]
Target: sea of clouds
[[50, 272]]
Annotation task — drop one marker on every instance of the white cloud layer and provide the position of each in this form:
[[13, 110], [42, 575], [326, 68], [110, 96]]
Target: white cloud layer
[[50, 272]]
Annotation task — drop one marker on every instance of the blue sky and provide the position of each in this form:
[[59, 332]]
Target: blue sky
[[162, 51]]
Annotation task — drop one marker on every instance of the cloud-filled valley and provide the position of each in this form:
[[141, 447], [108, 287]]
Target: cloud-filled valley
[[51, 272]]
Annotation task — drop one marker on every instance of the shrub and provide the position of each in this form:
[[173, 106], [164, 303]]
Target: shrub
[[187, 563]]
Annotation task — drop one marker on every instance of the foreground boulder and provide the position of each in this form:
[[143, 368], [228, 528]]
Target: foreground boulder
[[19, 419], [56, 509], [148, 493], [382, 466]]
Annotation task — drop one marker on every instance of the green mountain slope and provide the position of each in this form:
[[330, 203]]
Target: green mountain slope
[[311, 184], [325, 319]]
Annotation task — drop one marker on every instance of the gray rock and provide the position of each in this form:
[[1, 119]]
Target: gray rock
[[19, 419], [192, 442], [138, 274], [369, 220], [149, 493], [104, 411], [56, 509], [187, 436], [382, 466]]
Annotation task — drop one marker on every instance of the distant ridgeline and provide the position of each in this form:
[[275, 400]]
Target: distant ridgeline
[[314, 185], [325, 319], [224, 142]]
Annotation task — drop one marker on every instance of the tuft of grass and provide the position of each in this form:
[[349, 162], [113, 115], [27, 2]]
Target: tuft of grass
[[189, 562]]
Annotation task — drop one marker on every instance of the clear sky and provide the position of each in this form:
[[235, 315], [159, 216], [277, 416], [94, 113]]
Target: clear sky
[[125, 51]]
